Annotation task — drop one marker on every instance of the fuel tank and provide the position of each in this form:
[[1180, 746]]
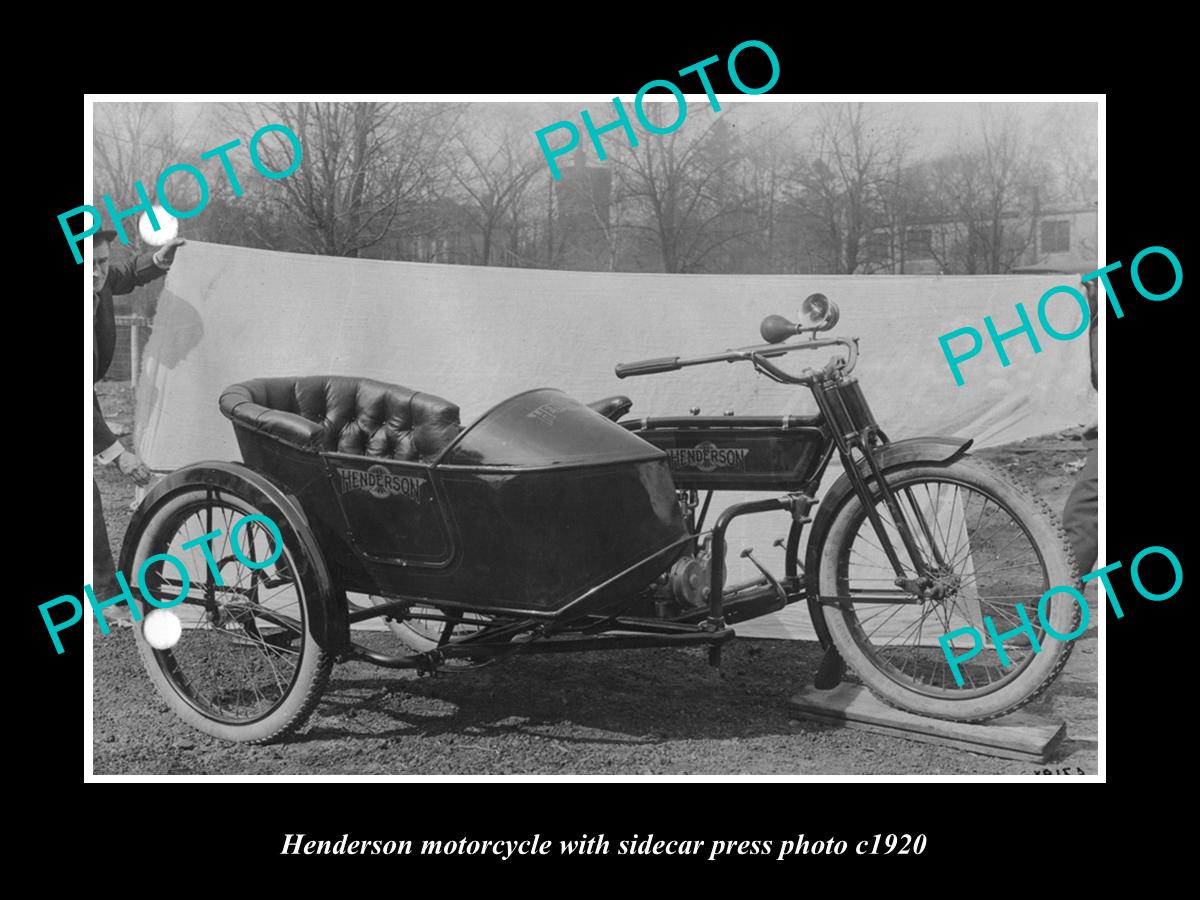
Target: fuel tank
[[731, 453]]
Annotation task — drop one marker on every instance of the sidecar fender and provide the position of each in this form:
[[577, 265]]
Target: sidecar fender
[[328, 610], [899, 453]]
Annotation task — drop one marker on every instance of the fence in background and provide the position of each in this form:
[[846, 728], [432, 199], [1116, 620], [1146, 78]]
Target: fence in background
[[132, 334]]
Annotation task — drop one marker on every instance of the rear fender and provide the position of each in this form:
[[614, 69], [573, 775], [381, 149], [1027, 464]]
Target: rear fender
[[891, 456], [330, 625]]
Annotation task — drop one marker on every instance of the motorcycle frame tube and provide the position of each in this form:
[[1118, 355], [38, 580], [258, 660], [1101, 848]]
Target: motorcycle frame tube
[[716, 620], [760, 603]]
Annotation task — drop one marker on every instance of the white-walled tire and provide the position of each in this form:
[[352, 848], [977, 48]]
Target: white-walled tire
[[999, 545], [247, 666]]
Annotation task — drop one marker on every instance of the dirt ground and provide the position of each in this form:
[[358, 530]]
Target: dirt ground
[[616, 713]]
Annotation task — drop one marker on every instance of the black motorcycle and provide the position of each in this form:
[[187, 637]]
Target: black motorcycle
[[548, 525]]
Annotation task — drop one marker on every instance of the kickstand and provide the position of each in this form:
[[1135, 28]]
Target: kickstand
[[831, 671]]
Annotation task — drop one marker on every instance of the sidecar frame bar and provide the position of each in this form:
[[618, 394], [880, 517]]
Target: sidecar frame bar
[[699, 637], [471, 647]]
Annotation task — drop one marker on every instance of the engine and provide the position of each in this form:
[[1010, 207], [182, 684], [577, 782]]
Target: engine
[[685, 587]]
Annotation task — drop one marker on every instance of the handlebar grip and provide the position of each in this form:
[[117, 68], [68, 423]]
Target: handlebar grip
[[647, 366]]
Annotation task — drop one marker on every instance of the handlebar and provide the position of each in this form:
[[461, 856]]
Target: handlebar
[[648, 366], [757, 355]]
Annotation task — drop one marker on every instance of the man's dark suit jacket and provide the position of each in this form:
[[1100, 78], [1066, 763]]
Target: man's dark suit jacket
[[123, 277]]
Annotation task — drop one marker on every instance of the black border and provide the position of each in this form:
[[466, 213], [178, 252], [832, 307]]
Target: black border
[[1146, 438]]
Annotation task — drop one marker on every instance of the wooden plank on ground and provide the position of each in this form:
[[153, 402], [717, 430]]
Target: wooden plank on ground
[[1018, 736]]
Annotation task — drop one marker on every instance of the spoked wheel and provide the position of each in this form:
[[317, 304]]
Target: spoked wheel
[[988, 545], [247, 666], [421, 634]]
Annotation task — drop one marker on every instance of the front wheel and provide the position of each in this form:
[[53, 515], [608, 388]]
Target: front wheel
[[988, 545]]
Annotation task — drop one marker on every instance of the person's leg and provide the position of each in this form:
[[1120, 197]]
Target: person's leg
[[104, 571], [1081, 514]]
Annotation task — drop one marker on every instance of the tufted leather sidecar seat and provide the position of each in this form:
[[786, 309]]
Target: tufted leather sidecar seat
[[348, 415]]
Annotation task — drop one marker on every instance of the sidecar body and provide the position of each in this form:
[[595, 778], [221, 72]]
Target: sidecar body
[[541, 507]]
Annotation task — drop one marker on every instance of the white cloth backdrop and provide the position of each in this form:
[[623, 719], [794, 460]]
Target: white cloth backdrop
[[476, 335]]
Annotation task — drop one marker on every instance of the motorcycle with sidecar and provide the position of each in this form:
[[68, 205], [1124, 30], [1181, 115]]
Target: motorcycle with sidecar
[[549, 525]]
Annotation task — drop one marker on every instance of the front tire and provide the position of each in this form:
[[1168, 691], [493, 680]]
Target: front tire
[[1013, 552]]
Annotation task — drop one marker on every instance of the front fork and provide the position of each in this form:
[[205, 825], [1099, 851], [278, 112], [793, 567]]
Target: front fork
[[853, 427], [898, 518]]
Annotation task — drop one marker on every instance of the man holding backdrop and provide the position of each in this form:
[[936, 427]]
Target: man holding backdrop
[[109, 279]]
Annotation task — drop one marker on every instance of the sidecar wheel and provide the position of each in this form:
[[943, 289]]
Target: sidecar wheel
[[247, 666], [999, 545]]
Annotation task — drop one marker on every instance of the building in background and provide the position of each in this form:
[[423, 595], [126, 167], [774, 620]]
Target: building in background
[[1058, 237], [583, 197]]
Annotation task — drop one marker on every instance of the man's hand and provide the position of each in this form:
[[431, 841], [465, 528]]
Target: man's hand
[[131, 464], [166, 253]]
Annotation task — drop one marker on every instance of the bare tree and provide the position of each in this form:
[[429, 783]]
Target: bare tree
[[767, 168], [1005, 159], [681, 191], [132, 142], [904, 195], [370, 170], [594, 214], [554, 238], [1069, 145], [842, 187], [494, 173], [960, 191], [990, 191]]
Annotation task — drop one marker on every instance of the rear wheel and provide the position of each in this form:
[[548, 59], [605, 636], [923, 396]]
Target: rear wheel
[[989, 545], [247, 666]]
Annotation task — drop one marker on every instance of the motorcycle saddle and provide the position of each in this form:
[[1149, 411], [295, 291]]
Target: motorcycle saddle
[[612, 407]]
